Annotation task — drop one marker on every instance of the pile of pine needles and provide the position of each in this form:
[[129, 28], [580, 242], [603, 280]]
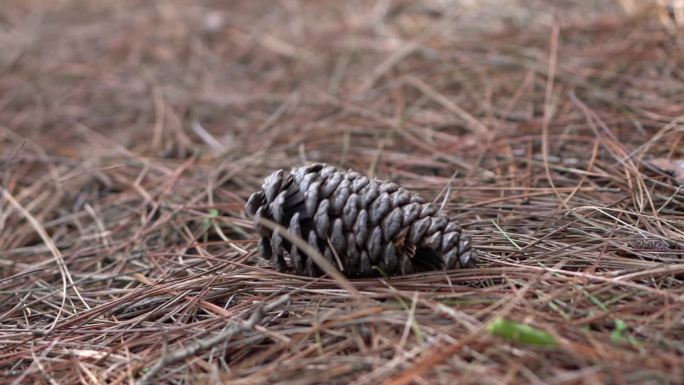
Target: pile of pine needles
[[131, 133]]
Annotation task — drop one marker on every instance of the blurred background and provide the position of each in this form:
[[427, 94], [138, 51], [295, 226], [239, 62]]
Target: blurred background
[[175, 78]]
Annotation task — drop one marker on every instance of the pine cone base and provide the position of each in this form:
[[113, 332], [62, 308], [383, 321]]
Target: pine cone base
[[359, 225]]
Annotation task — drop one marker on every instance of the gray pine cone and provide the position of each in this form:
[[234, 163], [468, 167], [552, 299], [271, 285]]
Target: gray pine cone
[[356, 223]]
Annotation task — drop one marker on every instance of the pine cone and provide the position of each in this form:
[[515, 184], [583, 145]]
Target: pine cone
[[356, 223]]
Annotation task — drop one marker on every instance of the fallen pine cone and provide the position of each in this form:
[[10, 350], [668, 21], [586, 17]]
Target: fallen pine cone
[[356, 223], [661, 248]]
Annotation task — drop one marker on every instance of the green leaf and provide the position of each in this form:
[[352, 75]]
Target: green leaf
[[207, 222], [519, 333], [616, 335]]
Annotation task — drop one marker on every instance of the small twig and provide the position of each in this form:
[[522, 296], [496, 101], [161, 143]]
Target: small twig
[[211, 341]]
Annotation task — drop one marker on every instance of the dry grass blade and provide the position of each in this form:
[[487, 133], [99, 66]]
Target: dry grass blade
[[133, 131], [59, 260]]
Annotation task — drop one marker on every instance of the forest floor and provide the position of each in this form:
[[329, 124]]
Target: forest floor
[[132, 132]]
